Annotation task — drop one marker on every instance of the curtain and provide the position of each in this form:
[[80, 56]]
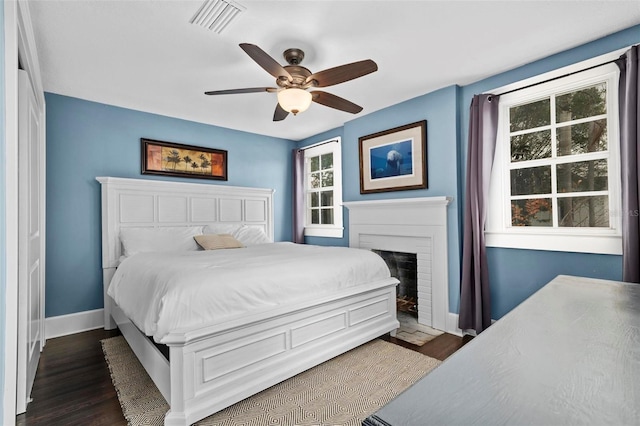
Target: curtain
[[298, 196], [475, 298], [629, 99]]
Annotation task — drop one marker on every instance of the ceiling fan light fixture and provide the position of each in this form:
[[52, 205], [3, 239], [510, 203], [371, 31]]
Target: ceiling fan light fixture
[[294, 100], [294, 80]]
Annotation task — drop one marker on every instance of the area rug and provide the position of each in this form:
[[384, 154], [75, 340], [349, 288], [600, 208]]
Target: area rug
[[342, 391]]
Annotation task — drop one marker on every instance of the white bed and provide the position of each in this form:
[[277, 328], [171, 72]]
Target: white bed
[[217, 364]]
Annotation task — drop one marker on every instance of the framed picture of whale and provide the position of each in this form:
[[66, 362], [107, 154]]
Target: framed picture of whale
[[394, 159]]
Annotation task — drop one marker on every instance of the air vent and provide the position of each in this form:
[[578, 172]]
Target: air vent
[[215, 15]]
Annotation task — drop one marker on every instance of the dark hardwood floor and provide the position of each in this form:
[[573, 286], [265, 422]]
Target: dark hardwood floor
[[73, 385], [440, 348]]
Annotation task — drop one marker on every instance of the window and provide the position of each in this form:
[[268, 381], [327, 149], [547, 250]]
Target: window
[[323, 183], [555, 182]]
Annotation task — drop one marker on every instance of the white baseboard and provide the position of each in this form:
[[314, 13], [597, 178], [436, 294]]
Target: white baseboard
[[452, 324], [64, 325]]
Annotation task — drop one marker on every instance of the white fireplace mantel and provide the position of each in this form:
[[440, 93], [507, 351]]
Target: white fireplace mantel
[[416, 211], [411, 225], [433, 201]]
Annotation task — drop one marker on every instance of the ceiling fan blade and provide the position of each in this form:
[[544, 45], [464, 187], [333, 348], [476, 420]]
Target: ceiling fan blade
[[333, 101], [342, 73], [236, 91], [265, 61], [279, 114]]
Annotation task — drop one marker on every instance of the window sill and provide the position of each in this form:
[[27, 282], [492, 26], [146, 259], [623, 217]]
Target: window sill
[[329, 232], [598, 244]]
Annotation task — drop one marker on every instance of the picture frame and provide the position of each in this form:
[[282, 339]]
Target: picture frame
[[394, 159], [174, 159]]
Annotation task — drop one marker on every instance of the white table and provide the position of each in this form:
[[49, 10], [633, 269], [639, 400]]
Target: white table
[[569, 354]]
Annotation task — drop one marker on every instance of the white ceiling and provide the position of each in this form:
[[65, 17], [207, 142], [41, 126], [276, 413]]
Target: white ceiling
[[145, 55]]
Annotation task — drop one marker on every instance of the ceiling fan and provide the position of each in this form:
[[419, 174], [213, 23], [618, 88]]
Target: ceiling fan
[[293, 81]]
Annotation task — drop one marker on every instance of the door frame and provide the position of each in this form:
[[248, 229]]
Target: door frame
[[19, 41]]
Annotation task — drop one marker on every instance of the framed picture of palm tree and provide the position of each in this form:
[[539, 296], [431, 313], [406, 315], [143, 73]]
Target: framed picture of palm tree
[[173, 159]]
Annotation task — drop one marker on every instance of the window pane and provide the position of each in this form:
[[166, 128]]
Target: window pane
[[531, 115], [327, 198], [327, 161], [314, 180], [533, 212], [327, 216], [315, 216], [584, 211], [327, 179], [531, 146], [315, 164], [582, 103], [583, 176], [534, 180], [315, 199], [581, 138]]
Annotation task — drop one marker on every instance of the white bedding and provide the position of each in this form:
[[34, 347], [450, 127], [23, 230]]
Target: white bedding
[[163, 292]]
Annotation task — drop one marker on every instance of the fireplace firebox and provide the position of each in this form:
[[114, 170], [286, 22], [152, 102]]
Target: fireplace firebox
[[403, 266]]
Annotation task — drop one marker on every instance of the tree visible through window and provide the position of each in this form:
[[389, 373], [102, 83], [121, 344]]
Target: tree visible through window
[[320, 191], [559, 154], [555, 181], [323, 182]]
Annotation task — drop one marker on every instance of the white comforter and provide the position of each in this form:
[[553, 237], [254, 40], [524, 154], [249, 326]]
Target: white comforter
[[164, 292]]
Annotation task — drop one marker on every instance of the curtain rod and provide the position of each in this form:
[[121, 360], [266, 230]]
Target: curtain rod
[[318, 144], [558, 77]]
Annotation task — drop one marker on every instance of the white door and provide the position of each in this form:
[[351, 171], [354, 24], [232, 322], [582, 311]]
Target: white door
[[30, 240]]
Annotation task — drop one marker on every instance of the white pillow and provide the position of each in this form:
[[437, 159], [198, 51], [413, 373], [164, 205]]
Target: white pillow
[[251, 236], [140, 240], [220, 228]]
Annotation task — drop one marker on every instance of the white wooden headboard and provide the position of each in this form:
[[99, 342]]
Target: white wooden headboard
[[155, 203]]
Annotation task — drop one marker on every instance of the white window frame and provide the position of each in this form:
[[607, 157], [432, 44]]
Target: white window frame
[[336, 230], [498, 230]]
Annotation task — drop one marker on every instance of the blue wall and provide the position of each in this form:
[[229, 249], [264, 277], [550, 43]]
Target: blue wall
[[439, 108], [516, 274], [3, 208], [87, 139]]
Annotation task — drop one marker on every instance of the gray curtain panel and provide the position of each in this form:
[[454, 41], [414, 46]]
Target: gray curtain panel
[[475, 297], [629, 158], [298, 196]]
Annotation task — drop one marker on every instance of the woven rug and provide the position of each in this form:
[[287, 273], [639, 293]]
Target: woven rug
[[342, 391]]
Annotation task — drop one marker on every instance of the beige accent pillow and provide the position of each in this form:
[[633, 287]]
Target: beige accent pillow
[[217, 241]]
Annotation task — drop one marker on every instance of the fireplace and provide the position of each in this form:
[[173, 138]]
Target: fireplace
[[415, 226]]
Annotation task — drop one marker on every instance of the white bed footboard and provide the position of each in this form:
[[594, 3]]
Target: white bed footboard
[[215, 367]]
